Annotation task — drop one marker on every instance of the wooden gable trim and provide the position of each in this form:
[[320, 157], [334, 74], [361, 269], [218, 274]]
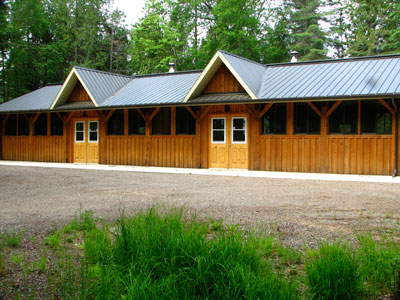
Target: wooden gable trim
[[73, 75], [212, 66]]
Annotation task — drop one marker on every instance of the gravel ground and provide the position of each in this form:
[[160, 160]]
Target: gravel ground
[[301, 211]]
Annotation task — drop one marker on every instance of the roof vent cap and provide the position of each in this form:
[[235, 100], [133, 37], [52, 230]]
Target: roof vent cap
[[294, 56], [171, 67]]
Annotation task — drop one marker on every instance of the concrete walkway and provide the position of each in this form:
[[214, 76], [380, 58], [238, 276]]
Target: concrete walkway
[[217, 172]]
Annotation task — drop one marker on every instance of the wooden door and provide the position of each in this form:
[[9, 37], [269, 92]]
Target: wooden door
[[238, 147], [228, 142], [219, 156], [86, 141]]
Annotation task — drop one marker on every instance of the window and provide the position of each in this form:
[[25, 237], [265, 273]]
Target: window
[[306, 120], [274, 120], [93, 131], [115, 125], [11, 125], [344, 118], [56, 125], [161, 123], [23, 126], [239, 130], [375, 118], [218, 130], [185, 123], [137, 124], [79, 131], [41, 125]]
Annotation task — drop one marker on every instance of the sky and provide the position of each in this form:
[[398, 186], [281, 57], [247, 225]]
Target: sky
[[133, 9]]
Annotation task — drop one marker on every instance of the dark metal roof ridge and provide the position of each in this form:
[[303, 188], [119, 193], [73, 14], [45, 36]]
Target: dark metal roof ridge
[[104, 72], [166, 74], [242, 58], [334, 60]]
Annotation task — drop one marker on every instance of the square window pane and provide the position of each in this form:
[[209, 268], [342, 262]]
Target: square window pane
[[93, 136], [239, 123], [79, 136], [239, 136], [218, 123], [79, 126], [218, 136], [93, 126]]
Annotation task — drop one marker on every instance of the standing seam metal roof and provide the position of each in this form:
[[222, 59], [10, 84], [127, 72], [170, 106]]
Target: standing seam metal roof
[[101, 84]]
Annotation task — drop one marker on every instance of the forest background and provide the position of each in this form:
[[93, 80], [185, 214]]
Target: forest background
[[41, 40]]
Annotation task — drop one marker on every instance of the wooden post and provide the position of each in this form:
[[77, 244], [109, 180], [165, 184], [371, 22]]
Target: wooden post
[[173, 121], [324, 139], [290, 119], [126, 122], [198, 140], [254, 142]]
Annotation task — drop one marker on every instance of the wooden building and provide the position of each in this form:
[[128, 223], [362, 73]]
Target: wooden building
[[333, 116]]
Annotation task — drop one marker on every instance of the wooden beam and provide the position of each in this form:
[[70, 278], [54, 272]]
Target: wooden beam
[[35, 118], [264, 110], [334, 106], [314, 108], [69, 117], [141, 113], [6, 118], [191, 112], [252, 110], [26, 117], [108, 116], [100, 114], [388, 107], [153, 114], [204, 112]]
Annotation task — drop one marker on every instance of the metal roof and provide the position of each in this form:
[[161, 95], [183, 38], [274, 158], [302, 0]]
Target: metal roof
[[349, 78], [221, 97], [155, 89], [250, 71], [76, 105], [40, 99], [101, 85]]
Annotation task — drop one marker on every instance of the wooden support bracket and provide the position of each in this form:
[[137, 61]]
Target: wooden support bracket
[[252, 110], [153, 114], [69, 117], [314, 108], [108, 116], [191, 112], [204, 112], [141, 113], [35, 118], [334, 106], [388, 107], [264, 110]]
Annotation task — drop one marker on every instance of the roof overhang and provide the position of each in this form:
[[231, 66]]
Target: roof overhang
[[66, 89], [209, 72]]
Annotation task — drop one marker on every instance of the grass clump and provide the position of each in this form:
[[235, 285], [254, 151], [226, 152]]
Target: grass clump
[[333, 273], [12, 238], [380, 263], [160, 256], [84, 221]]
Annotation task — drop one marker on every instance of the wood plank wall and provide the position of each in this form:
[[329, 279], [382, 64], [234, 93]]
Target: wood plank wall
[[347, 154], [223, 81], [78, 94]]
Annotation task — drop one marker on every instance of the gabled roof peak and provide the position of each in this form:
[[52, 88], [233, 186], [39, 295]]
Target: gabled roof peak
[[102, 72], [241, 57]]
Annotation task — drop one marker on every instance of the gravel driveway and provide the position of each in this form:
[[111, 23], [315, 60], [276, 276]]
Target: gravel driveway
[[300, 210]]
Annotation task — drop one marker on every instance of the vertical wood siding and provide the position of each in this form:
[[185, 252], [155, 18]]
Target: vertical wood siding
[[223, 81], [36, 148]]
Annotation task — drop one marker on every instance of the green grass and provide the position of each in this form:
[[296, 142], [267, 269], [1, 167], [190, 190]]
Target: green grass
[[166, 255], [12, 238], [380, 263], [333, 273], [158, 256]]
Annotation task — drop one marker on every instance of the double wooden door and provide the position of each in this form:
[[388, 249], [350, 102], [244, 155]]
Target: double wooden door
[[86, 140], [228, 141]]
